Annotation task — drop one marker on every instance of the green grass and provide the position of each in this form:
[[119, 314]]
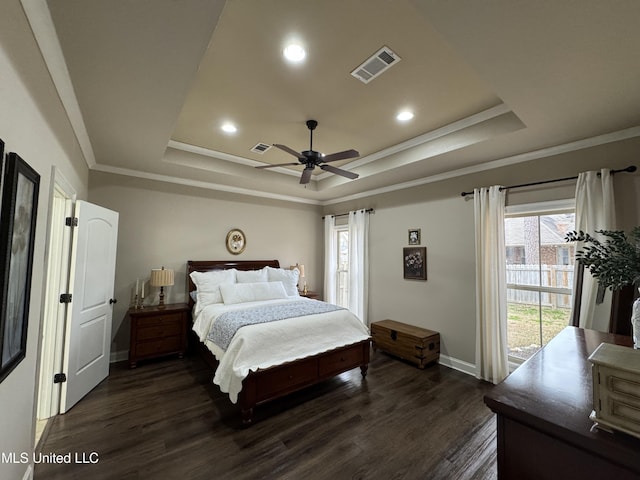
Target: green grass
[[523, 327]]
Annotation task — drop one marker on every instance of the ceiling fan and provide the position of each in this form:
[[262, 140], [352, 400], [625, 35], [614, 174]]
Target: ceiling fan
[[311, 158]]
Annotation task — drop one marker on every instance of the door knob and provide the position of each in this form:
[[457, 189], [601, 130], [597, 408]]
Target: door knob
[[113, 300]]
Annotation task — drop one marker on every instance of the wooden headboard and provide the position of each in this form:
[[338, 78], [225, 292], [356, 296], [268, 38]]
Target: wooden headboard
[[209, 265]]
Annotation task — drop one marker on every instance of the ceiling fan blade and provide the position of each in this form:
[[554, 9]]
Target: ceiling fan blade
[[306, 175], [339, 171], [278, 165], [340, 156], [289, 150]]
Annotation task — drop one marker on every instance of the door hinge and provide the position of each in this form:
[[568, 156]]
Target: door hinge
[[71, 221], [65, 298], [59, 378]]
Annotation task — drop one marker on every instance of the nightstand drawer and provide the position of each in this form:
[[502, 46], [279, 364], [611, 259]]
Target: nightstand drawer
[[157, 331], [159, 320], [160, 346], [164, 329]]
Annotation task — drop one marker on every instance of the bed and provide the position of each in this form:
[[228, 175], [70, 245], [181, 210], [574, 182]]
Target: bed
[[270, 369]]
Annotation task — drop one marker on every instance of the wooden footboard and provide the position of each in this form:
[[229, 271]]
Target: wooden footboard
[[274, 382], [271, 383]]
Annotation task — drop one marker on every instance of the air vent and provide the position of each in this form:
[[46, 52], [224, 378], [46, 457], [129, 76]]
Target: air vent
[[373, 66], [260, 148]]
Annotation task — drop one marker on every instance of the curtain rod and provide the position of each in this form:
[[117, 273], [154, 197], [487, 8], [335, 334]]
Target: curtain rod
[[629, 169], [368, 210]]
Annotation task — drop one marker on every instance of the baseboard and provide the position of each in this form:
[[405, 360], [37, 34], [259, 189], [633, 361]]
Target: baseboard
[[460, 365], [119, 356], [28, 475], [451, 362]]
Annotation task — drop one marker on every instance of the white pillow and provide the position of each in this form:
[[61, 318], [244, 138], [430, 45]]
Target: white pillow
[[209, 283], [289, 279], [252, 276], [252, 292], [205, 299]]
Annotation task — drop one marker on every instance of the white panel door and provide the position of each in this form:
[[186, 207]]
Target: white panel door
[[88, 330]]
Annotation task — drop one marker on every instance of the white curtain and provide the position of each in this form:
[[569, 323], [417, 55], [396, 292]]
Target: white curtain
[[595, 210], [330, 259], [359, 263], [491, 287]]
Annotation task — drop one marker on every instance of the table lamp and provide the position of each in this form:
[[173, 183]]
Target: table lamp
[[161, 277], [301, 270]]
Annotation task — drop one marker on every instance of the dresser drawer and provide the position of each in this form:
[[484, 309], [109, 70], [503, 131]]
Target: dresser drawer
[[340, 360]]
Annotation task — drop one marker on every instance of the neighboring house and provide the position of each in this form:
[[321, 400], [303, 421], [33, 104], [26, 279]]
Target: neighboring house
[[554, 248]]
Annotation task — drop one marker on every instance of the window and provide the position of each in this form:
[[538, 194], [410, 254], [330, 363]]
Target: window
[[539, 275], [342, 270]]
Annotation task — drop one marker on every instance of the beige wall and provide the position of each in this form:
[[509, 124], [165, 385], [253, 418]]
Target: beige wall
[[32, 124], [163, 224], [166, 224], [446, 301]]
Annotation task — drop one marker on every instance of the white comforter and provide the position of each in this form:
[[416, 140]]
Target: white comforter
[[267, 344]]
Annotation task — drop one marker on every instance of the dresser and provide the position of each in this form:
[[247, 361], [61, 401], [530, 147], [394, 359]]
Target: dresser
[[157, 332], [542, 412]]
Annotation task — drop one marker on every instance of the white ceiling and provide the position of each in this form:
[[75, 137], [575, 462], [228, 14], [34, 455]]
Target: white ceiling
[[148, 83]]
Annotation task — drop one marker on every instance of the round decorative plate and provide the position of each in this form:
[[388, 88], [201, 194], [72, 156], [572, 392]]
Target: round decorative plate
[[236, 241]]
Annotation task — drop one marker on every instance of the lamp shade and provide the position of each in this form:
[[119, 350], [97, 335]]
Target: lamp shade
[[299, 267], [161, 277]]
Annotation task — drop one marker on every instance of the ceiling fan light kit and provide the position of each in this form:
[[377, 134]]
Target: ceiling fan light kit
[[312, 158]]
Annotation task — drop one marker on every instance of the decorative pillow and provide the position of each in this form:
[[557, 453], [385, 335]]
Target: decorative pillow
[[289, 279], [252, 276], [252, 292], [209, 283]]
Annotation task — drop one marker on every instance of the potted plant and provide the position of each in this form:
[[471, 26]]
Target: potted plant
[[614, 261]]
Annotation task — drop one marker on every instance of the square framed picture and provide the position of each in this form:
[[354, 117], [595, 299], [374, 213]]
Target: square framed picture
[[414, 263], [414, 236]]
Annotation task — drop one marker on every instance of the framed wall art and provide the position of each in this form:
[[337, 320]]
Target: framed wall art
[[414, 236], [17, 235], [415, 263], [236, 241]]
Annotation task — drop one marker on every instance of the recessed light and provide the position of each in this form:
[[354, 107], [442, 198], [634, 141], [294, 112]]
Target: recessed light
[[229, 128], [404, 116], [294, 52]]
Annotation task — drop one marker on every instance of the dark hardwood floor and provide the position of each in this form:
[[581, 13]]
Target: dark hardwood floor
[[166, 420]]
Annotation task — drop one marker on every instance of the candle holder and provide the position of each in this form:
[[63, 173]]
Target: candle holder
[[135, 302]]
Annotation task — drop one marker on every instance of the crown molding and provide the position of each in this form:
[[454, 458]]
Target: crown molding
[[44, 31], [200, 184], [512, 160], [515, 159], [185, 147]]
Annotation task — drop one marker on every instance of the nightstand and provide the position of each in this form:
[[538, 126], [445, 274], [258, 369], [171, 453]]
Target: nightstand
[[156, 332], [310, 294]]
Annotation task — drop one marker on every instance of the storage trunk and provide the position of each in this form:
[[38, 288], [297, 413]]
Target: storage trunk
[[414, 344]]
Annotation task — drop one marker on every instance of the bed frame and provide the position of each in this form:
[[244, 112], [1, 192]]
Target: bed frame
[[274, 382]]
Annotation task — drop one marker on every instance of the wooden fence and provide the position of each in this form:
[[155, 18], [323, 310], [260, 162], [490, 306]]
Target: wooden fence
[[557, 276]]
